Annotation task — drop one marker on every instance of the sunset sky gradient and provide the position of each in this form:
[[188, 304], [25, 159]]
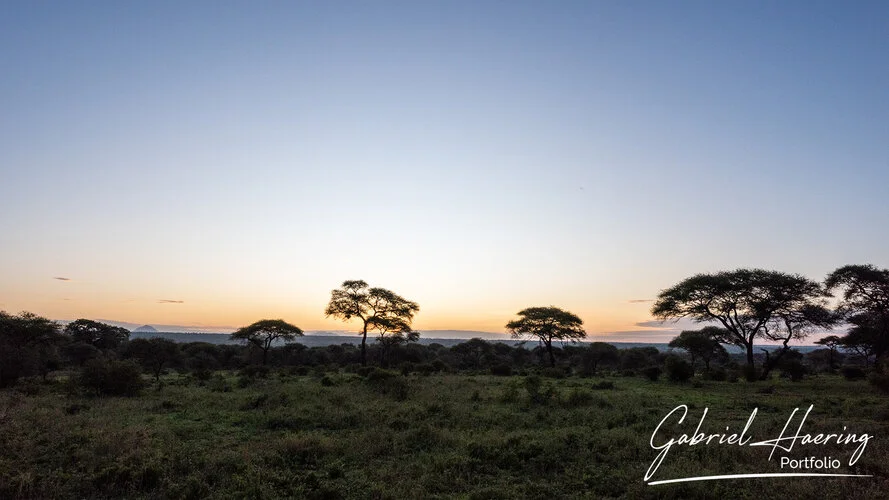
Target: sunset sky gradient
[[212, 163]]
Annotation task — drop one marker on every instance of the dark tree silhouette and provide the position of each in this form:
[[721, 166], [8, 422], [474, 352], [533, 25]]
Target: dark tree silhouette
[[547, 324], [153, 354], [598, 353], [265, 332], [473, 353], [863, 337], [831, 342], [25, 340], [378, 309], [703, 344], [749, 304], [865, 302], [98, 335]]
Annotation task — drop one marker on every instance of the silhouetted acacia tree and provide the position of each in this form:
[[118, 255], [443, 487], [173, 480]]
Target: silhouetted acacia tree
[[265, 332], [749, 304], [831, 342], [99, 335], [865, 302], [377, 308], [547, 324], [703, 344]]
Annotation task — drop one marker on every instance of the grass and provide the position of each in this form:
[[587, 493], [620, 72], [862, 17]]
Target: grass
[[440, 436]]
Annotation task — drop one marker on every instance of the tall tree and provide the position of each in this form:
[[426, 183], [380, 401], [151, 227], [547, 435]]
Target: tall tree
[[99, 335], [265, 332], [749, 304], [547, 324], [378, 309], [865, 301]]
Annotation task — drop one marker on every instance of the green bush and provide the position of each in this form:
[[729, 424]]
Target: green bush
[[501, 370], [652, 373], [854, 373], [254, 371], [678, 369], [880, 381], [794, 370], [105, 377]]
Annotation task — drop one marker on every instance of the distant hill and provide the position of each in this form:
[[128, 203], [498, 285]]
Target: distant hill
[[145, 329]]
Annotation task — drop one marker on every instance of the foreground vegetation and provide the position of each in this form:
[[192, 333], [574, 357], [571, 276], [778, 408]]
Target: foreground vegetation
[[381, 434]]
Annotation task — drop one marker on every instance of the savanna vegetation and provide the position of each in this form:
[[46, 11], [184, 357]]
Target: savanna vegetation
[[87, 413]]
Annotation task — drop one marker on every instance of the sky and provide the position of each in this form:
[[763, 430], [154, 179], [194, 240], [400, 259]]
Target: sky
[[210, 164]]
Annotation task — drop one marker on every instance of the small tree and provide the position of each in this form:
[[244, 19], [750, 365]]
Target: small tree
[[377, 308], [154, 354], [99, 335], [547, 324], [831, 342], [701, 344], [598, 353], [265, 332]]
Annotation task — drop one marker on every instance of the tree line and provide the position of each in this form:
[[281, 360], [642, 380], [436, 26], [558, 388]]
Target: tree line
[[742, 308]]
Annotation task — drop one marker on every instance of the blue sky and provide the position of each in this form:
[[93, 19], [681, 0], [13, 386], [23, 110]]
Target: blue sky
[[243, 158]]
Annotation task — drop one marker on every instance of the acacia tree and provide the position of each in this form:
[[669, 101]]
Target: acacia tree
[[749, 304], [703, 344], [99, 335], [378, 309], [831, 342], [865, 302], [265, 332], [547, 324]]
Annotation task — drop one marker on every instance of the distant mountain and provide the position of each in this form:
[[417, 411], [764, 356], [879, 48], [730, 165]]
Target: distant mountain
[[145, 329]]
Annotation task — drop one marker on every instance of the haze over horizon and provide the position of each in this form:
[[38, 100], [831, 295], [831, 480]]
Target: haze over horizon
[[209, 163]]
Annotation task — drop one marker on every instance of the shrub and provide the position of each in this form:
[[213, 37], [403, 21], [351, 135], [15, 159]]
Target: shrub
[[853, 373], [388, 382], [501, 370], [553, 372], [794, 370], [603, 385], [678, 369], [111, 377], [717, 374], [254, 371], [652, 373], [534, 387], [880, 381]]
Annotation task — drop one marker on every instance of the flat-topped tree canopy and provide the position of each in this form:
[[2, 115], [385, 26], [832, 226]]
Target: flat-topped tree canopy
[[264, 332], [749, 304], [378, 309], [547, 324]]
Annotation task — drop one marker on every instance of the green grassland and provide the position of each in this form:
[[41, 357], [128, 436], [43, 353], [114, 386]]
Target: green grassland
[[341, 435]]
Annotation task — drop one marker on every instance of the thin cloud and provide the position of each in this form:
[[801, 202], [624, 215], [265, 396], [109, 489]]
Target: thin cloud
[[168, 301], [640, 301], [61, 278]]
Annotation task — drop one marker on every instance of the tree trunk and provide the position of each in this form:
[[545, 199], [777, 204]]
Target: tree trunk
[[751, 373], [549, 349], [364, 346]]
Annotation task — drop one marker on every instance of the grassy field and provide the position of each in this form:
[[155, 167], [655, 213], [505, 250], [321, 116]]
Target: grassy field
[[440, 436]]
